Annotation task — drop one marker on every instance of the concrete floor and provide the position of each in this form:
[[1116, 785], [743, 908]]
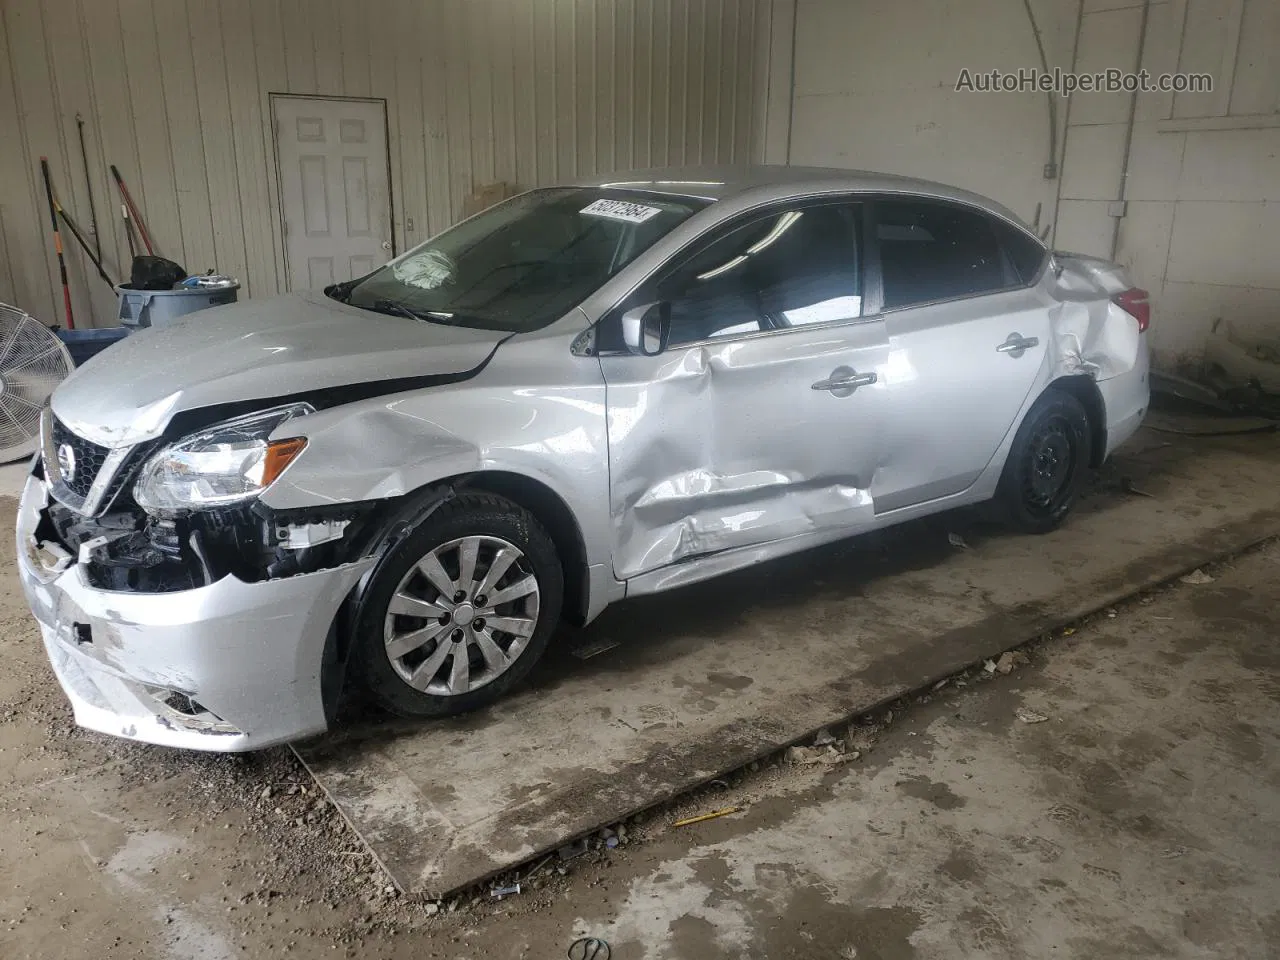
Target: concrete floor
[[699, 682], [13, 477], [1140, 819]]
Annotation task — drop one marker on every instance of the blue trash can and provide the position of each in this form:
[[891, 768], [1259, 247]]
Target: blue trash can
[[83, 344]]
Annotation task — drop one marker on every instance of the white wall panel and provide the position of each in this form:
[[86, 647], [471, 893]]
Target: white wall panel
[[1108, 40], [1145, 231], [1094, 162], [1225, 243], [875, 89], [1238, 166], [174, 92], [1200, 229]]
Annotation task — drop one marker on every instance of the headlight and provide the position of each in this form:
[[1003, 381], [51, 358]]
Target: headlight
[[224, 464]]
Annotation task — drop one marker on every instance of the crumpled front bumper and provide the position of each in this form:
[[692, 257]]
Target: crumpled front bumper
[[232, 666]]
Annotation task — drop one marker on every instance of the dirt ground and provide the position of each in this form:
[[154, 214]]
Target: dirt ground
[[1112, 795]]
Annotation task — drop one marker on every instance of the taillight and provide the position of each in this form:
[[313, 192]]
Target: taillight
[[1134, 302]]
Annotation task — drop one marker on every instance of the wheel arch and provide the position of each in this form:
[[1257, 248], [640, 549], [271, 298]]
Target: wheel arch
[[541, 500], [554, 514], [1085, 389], [403, 514]]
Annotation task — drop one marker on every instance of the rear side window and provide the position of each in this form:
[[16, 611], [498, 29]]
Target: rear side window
[[1026, 253], [936, 251]]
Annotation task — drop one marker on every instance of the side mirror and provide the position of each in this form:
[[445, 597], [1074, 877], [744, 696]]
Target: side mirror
[[646, 329]]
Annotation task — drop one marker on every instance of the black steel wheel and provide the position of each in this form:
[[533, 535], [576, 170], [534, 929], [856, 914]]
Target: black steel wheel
[[1047, 463]]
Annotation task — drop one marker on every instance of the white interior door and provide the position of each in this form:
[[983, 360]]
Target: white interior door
[[334, 189]]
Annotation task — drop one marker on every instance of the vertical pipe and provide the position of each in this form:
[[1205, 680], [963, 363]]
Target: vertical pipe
[[1051, 166], [1051, 232], [791, 95], [1128, 133]]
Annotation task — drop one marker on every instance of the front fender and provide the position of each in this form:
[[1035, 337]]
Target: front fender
[[392, 447], [374, 450]]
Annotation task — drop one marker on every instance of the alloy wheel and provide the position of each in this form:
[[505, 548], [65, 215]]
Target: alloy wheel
[[462, 615]]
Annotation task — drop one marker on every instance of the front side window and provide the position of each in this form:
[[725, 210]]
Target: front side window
[[790, 268], [937, 251], [522, 264]]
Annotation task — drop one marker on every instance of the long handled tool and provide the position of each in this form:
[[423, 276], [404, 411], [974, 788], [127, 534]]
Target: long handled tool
[[57, 241], [128, 231], [88, 250], [88, 185], [133, 209], [94, 255]]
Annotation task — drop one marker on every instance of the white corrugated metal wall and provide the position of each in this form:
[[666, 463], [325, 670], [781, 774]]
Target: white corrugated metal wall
[[174, 92]]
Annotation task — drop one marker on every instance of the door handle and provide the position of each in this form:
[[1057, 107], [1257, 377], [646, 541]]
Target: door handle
[[843, 381], [1015, 345]]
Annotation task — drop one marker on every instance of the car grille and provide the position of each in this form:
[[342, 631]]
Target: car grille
[[99, 472], [89, 458]]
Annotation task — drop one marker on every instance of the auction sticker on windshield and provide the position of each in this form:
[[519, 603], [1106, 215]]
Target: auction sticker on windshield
[[621, 210]]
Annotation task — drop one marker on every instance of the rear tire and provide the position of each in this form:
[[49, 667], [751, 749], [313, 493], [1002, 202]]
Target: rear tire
[[1047, 464], [460, 611]]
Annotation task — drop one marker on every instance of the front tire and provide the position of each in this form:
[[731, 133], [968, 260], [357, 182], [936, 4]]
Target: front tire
[[461, 610], [1047, 464]]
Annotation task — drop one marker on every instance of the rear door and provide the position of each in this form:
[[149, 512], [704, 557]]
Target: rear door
[[968, 337], [762, 420]]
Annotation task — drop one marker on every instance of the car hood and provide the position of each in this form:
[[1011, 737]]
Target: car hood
[[257, 350]]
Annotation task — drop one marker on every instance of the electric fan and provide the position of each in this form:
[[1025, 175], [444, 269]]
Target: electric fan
[[32, 362]]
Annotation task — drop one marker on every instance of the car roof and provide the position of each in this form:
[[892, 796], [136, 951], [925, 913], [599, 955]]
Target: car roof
[[761, 183]]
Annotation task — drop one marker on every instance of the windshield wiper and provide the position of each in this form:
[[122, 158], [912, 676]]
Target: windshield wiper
[[386, 305]]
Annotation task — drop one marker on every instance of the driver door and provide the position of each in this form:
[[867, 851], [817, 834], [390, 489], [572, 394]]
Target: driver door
[[763, 418]]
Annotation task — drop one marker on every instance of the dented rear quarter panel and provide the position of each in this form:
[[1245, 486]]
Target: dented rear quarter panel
[[1092, 335]]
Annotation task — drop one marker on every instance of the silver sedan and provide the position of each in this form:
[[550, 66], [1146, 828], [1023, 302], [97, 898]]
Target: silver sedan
[[588, 392]]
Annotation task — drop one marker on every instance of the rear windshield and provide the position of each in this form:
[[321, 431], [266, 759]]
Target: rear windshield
[[523, 263]]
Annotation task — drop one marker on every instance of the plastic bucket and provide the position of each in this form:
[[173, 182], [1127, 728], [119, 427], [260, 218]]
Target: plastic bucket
[[83, 344], [156, 308]]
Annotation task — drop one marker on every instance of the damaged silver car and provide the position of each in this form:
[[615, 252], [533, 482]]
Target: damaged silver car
[[585, 393]]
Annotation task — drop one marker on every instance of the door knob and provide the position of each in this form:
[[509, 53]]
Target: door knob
[[1015, 345], [843, 381], [386, 244]]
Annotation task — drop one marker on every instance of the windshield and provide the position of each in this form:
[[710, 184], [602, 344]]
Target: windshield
[[523, 263]]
